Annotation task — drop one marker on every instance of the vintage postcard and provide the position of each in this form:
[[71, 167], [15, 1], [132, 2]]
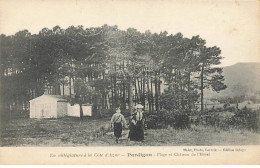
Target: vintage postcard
[[129, 82]]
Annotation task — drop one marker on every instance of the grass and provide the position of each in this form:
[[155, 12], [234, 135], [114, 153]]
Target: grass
[[96, 132]]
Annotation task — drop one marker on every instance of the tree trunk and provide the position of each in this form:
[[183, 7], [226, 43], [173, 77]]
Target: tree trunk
[[143, 101], [136, 93], [58, 89], [108, 102], [115, 92], [139, 89], [130, 95], [112, 94], [70, 86], [73, 81], [80, 112], [201, 88], [63, 89], [103, 100], [151, 98], [156, 93], [189, 102], [159, 91], [124, 90], [148, 92]]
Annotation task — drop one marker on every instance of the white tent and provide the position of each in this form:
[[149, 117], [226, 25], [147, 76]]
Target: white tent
[[48, 106], [74, 110]]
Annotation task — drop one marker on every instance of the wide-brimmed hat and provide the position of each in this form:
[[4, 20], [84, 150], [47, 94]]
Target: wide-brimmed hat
[[139, 106]]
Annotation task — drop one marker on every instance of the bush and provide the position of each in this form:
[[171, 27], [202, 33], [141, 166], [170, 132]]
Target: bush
[[165, 118], [246, 118], [242, 119]]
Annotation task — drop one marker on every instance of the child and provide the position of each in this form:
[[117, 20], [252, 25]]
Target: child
[[118, 121]]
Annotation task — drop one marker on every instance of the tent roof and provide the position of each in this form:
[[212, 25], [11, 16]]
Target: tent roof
[[57, 98]]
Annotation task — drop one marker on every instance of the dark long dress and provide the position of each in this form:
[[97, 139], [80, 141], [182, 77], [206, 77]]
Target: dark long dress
[[136, 132]]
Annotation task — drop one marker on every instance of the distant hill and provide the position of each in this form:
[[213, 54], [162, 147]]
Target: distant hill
[[241, 79]]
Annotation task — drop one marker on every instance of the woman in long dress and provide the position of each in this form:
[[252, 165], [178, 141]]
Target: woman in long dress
[[136, 127], [117, 122]]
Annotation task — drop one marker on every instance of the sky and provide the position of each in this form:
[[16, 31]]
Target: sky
[[232, 25]]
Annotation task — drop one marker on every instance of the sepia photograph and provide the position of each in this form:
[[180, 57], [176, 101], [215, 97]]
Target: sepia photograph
[[126, 73]]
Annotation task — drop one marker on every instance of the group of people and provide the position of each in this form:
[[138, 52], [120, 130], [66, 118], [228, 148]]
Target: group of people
[[136, 124]]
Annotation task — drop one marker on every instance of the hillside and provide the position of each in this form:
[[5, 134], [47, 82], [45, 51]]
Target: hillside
[[241, 79]]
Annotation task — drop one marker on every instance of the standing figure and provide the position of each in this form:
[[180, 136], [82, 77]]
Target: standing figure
[[117, 122], [136, 127]]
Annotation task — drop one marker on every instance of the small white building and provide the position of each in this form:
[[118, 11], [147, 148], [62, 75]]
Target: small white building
[[54, 106], [74, 111], [48, 106]]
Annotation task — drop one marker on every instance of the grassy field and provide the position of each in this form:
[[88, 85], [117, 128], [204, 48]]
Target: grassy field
[[70, 132]]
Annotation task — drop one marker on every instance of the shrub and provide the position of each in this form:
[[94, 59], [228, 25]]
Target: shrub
[[242, 119], [165, 118], [246, 118]]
